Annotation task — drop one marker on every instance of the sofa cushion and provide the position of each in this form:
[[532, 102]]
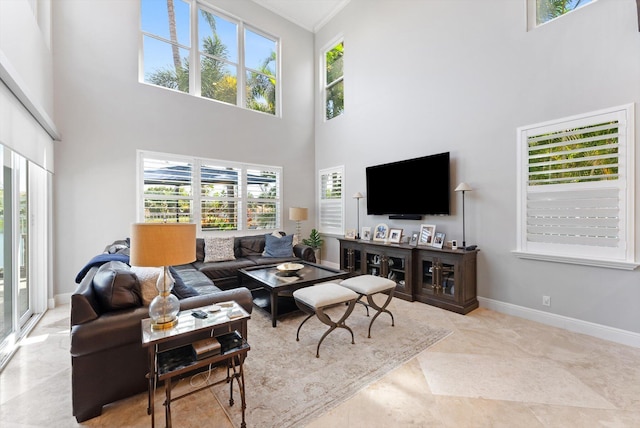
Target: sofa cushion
[[249, 245], [200, 249], [228, 269], [281, 246], [218, 249], [116, 287], [147, 276]]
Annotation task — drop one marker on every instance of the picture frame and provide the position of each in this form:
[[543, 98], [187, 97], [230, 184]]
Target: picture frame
[[395, 235], [366, 233], [381, 232], [427, 232], [438, 239], [413, 241], [350, 234]]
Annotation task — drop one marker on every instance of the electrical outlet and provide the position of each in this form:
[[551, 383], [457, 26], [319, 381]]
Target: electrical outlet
[[546, 300]]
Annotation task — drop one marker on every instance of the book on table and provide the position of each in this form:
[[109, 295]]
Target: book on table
[[206, 348]]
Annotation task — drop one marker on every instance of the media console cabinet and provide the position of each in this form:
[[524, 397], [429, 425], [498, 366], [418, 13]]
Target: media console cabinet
[[444, 277]]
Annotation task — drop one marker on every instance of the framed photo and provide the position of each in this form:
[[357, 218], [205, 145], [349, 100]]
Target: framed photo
[[395, 235], [427, 231], [413, 241], [366, 233], [350, 234], [381, 232], [438, 240]]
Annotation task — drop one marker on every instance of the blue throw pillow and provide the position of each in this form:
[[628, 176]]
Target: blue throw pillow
[[180, 289], [278, 247]]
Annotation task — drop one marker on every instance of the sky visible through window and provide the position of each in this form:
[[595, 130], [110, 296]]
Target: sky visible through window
[[155, 20]]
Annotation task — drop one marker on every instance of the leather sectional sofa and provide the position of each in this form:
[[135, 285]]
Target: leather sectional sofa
[[108, 361]]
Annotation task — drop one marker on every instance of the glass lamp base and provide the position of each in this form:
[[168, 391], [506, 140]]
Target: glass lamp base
[[164, 324], [163, 311]]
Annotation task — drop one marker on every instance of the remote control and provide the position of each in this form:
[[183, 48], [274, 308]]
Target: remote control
[[199, 314]]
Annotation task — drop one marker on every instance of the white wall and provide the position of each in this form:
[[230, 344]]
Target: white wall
[[104, 115], [423, 77]]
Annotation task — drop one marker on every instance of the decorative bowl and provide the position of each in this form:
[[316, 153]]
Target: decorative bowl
[[289, 268]]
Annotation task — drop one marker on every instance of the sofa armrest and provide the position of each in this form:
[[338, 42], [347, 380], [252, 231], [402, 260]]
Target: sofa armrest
[[241, 295], [84, 306], [304, 252]]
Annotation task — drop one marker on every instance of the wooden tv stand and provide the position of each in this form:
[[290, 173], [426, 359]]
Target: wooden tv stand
[[444, 277]]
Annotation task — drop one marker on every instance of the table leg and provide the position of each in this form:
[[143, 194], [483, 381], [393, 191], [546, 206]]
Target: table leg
[[274, 308], [167, 404], [152, 385]]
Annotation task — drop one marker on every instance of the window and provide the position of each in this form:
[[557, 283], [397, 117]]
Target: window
[[237, 64], [228, 195], [331, 200], [334, 81], [575, 189], [541, 11]]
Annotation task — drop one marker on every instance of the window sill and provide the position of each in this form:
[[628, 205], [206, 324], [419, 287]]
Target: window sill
[[611, 264]]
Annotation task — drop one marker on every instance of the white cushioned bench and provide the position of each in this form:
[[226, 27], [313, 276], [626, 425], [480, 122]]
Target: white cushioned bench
[[369, 285]]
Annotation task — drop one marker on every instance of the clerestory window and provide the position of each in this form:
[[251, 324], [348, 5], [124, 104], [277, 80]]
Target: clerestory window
[[217, 195], [236, 63], [576, 189], [542, 11], [334, 81]]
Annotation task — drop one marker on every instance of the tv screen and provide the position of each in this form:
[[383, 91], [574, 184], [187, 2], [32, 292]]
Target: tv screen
[[409, 187]]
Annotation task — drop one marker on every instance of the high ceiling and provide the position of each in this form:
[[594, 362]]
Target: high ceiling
[[309, 14]]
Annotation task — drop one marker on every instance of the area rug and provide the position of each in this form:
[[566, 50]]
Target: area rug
[[287, 386]]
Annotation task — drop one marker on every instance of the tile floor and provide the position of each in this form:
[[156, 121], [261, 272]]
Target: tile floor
[[495, 370]]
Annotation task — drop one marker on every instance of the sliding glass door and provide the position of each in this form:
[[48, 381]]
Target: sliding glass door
[[18, 264]]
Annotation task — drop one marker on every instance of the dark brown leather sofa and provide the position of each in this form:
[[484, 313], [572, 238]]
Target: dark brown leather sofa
[[107, 357]]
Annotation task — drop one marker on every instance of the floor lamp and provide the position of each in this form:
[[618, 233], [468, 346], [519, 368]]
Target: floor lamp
[[463, 187], [298, 214], [357, 197], [163, 245]]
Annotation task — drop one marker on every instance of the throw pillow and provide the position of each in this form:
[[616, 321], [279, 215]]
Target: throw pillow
[[116, 287], [218, 249], [147, 276], [281, 246], [180, 289]]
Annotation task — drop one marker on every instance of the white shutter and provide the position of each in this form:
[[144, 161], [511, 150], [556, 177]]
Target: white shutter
[[331, 201], [576, 187]]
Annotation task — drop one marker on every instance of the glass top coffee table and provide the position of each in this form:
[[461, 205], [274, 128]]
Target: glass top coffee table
[[278, 284]]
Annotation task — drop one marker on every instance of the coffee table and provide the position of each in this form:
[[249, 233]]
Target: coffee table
[[279, 284]]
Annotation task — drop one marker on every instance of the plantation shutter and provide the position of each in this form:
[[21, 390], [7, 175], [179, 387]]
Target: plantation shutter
[[168, 196], [331, 200], [574, 182]]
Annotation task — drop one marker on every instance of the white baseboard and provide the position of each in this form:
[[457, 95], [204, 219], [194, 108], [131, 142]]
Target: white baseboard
[[59, 299], [612, 334]]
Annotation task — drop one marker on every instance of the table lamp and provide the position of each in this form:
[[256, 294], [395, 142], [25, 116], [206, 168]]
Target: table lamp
[[163, 245], [463, 187], [298, 214], [357, 197]]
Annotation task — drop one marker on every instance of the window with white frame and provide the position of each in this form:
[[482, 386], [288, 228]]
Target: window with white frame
[[576, 189], [217, 195], [331, 200], [334, 81], [542, 11], [237, 64]]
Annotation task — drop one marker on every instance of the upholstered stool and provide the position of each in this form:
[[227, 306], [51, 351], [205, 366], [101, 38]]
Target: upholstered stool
[[368, 285], [315, 299]]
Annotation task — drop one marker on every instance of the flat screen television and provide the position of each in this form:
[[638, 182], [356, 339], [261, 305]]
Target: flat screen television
[[409, 188]]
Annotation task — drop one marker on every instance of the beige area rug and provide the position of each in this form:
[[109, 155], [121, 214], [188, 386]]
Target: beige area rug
[[287, 386]]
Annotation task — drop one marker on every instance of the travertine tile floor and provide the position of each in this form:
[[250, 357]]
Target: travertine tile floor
[[493, 371]]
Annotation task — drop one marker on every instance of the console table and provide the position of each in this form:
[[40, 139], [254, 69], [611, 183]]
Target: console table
[[440, 277], [171, 354]]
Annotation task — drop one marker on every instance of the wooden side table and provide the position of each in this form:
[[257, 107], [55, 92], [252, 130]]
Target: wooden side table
[[171, 354]]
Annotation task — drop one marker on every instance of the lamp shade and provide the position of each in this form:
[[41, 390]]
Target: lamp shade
[[162, 244], [358, 195], [298, 214], [463, 187]]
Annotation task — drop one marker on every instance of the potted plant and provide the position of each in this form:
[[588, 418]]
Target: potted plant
[[315, 242]]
